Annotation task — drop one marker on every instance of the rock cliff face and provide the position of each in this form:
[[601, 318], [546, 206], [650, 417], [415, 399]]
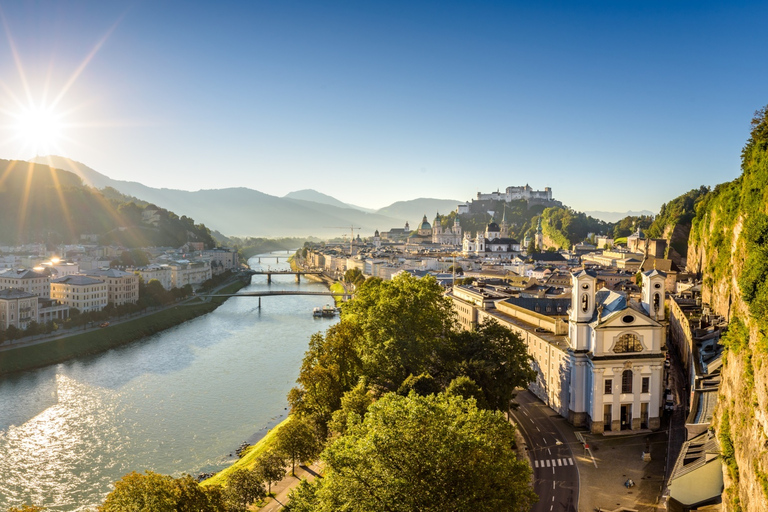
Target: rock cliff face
[[728, 246]]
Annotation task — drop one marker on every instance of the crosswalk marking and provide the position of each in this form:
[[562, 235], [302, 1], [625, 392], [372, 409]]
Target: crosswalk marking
[[546, 463]]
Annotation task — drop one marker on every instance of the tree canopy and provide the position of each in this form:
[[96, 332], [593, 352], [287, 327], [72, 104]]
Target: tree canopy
[[432, 453]]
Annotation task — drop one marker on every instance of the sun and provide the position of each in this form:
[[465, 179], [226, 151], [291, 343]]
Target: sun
[[38, 128]]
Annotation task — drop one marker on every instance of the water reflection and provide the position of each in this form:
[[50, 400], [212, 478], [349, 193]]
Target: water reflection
[[176, 402]]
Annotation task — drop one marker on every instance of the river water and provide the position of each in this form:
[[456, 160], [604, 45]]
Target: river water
[[177, 402]]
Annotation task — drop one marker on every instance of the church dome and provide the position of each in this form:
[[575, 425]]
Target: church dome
[[425, 223], [492, 228]]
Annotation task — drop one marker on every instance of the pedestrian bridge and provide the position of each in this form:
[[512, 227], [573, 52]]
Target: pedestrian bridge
[[298, 274], [345, 296]]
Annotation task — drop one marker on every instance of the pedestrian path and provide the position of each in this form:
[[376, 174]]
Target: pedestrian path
[[552, 463]]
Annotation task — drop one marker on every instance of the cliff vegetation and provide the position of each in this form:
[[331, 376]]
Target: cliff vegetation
[[728, 246]]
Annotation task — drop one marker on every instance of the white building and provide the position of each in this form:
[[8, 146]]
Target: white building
[[185, 272], [448, 235], [161, 273], [84, 293], [491, 243], [222, 259], [616, 357], [31, 281], [122, 287], [18, 308]]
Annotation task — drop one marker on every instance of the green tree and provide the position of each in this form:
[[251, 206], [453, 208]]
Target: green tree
[[331, 366], [354, 276], [270, 467], [354, 404], [244, 487], [464, 387], [402, 321], [150, 492], [297, 441], [26, 508], [495, 358], [431, 453], [423, 384]]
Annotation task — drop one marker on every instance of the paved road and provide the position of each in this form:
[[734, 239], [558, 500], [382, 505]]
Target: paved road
[[555, 476]]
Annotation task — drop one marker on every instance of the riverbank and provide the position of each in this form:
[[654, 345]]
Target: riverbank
[[67, 346], [248, 459]]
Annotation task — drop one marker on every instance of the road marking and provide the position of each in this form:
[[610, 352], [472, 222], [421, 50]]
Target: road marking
[[554, 462], [547, 462], [550, 507], [549, 451], [553, 498], [525, 413], [570, 461], [553, 471], [537, 428], [559, 462], [553, 485], [536, 463]]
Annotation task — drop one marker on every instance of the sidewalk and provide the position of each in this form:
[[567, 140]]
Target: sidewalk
[[283, 488]]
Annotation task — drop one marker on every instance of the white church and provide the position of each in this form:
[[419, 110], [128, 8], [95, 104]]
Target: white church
[[615, 357]]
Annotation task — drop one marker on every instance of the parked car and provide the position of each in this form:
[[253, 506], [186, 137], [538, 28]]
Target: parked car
[[105, 324]]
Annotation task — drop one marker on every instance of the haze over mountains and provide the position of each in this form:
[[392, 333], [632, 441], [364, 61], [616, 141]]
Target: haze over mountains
[[246, 212]]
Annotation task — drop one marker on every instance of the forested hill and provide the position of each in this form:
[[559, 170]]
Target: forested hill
[[42, 204], [728, 245]]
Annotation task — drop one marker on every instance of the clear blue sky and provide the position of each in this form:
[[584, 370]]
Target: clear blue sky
[[615, 105]]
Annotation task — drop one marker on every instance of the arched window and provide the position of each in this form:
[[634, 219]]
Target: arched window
[[656, 300], [584, 302], [626, 381], [628, 343]]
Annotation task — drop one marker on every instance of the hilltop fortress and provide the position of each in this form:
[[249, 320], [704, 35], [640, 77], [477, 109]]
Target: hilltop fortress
[[525, 193]]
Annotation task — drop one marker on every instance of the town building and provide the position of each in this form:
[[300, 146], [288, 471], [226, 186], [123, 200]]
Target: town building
[[81, 292], [161, 273], [222, 259], [31, 281], [18, 308], [185, 272], [122, 287]]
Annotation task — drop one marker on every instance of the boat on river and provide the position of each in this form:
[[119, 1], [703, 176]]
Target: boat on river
[[326, 311]]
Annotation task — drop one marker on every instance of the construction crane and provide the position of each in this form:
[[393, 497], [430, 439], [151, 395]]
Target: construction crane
[[351, 229]]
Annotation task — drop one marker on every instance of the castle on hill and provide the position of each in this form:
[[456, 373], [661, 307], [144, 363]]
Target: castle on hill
[[525, 193]]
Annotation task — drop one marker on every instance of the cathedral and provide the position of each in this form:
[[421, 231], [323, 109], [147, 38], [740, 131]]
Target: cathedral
[[446, 236], [491, 242], [616, 358]]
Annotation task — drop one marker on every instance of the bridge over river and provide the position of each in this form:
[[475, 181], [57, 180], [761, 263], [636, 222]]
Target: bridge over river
[[277, 293], [270, 273]]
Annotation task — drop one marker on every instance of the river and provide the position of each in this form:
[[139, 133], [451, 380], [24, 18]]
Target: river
[[177, 402]]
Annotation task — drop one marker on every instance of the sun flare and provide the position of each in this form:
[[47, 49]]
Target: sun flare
[[38, 128]]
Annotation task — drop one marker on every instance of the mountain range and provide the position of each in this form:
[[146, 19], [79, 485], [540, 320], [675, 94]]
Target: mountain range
[[246, 212]]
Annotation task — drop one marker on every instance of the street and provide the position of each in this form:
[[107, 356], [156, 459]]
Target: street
[[555, 475]]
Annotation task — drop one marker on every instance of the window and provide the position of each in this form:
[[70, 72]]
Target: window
[[626, 381], [584, 302], [608, 386], [628, 343], [646, 384]]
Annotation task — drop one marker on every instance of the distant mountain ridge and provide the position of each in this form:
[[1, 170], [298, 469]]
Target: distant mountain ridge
[[246, 212], [309, 194]]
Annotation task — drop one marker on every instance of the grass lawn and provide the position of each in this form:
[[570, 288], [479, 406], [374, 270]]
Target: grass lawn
[[249, 458], [337, 287]]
